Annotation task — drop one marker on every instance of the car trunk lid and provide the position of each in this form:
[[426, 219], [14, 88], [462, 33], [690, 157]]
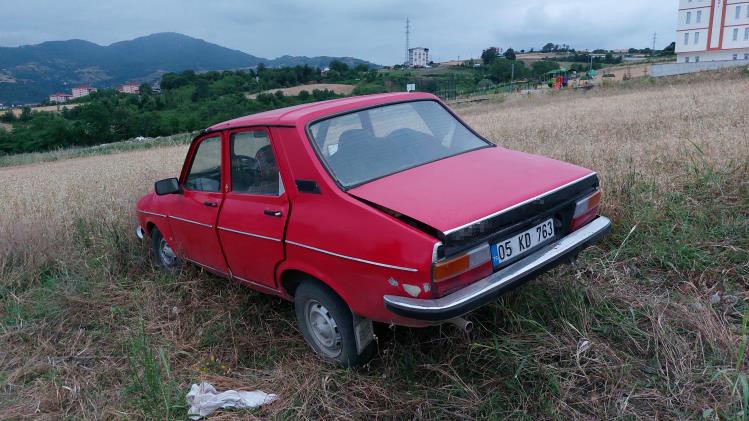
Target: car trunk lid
[[473, 196]]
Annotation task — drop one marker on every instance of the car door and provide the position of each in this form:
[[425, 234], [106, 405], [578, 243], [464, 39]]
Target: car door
[[253, 216], [193, 217]]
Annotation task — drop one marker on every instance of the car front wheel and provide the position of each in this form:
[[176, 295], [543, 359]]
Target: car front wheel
[[163, 253], [327, 325]]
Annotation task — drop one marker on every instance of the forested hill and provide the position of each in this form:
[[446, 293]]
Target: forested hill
[[28, 74]]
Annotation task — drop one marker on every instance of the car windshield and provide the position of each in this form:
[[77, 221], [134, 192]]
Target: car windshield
[[373, 143]]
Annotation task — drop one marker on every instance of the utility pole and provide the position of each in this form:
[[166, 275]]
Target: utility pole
[[655, 37], [408, 41]]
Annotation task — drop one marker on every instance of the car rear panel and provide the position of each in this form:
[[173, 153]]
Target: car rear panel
[[483, 195]]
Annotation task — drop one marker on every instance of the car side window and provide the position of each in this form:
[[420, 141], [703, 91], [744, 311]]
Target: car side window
[[205, 171], [253, 164]]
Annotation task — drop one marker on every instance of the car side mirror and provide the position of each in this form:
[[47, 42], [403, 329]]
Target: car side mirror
[[167, 186]]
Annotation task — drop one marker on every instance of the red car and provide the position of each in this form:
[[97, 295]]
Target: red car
[[382, 208]]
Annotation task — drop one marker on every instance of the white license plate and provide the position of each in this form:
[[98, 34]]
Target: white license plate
[[521, 243]]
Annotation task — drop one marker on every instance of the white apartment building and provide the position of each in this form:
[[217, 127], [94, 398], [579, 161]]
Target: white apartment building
[[712, 30], [130, 88], [418, 57], [82, 90]]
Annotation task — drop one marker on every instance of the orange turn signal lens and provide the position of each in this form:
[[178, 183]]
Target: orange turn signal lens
[[451, 268]]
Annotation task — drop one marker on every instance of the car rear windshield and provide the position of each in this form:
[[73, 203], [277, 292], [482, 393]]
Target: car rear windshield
[[376, 142]]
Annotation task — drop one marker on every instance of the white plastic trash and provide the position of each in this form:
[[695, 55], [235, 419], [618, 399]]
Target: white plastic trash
[[204, 399]]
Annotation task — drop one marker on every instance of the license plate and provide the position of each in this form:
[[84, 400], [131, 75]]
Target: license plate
[[522, 243]]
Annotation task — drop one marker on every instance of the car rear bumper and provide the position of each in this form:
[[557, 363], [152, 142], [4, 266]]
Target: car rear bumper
[[488, 289]]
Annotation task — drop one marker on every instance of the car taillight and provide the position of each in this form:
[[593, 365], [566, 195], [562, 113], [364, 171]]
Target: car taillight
[[457, 272], [586, 210]]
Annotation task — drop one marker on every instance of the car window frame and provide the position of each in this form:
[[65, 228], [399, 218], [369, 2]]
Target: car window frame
[[227, 157], [331, 173], [191, 160]]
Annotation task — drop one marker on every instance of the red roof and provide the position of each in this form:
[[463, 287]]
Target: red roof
[[299, 115]]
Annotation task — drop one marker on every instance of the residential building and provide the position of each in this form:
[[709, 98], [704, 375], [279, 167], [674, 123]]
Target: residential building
[[82, 90], [130, 88], [418, 57], [712, 30], [60, 98]]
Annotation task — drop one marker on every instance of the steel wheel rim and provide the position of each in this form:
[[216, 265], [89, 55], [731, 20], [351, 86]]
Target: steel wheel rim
[[323, 328], [166, 254]]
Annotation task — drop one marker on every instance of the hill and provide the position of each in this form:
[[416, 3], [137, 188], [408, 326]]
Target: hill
[[28, 74]]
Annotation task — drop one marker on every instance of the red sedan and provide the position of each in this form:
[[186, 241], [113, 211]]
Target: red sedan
[[383, 208]]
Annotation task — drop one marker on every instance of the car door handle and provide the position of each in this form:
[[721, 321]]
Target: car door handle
[[276, 213], [210, 204]]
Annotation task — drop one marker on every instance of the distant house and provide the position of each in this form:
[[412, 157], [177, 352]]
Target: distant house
[[130, 88], [83, 90], [59, 98], [418, 57]]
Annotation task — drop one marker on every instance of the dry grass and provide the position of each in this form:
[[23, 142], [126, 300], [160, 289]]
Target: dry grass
[[338, 88], [648, 324]]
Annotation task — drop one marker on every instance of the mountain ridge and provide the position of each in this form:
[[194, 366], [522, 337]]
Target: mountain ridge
[[29, 73]]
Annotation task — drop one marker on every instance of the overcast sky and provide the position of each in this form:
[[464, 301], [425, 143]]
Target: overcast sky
[[368, 29]]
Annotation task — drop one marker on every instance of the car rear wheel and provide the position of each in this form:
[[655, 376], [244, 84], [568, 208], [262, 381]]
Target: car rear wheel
[[327, 325], [163, 253]]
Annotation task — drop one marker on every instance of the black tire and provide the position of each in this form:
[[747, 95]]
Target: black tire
[[160, 250], [316, 304]]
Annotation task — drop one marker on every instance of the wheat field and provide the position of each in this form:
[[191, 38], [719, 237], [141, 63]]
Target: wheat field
[[650, 323]]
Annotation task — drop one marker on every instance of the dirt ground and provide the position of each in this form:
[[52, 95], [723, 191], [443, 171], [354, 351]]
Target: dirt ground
[[48, 108], [335, 87]]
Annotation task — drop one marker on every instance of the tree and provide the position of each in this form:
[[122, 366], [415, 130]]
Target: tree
[[510, 54], [669, 50], [8, 117], [145, 89], [549, 47], [361, 68], [490, 55], [339, 66], [25, 114]]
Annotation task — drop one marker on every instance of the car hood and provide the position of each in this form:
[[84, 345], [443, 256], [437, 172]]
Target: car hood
[[454, 192]]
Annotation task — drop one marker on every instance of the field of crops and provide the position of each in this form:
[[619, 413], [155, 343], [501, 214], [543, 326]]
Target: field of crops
[[650, 323]]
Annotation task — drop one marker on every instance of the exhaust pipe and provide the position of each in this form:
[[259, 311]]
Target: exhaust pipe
[[462, 324]]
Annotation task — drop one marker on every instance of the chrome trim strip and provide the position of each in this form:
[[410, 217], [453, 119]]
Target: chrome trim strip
[[207, 267], [151, 213], [249, 234], [355, 259], [191, 221], [517, 205], [140, 233], [515, 272], [255, 284]]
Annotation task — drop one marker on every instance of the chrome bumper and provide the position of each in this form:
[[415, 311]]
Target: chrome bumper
[[488, 289], [140, 233]]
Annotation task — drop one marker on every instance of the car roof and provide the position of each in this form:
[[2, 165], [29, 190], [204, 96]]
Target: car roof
[[299, 115]]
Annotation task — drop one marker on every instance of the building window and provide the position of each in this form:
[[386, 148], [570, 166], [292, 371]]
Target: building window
[[686, 59], [689, 18], [738, 12], [699, 16], [735, 34], [697, 59], [735, 56], [686, 38], [746, 56], [696, 38], [746, 33]]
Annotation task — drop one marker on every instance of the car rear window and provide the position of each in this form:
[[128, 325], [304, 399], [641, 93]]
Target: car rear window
[[366, 145]]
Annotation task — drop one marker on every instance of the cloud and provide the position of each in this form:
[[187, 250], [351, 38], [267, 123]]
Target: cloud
[[372, 30]]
